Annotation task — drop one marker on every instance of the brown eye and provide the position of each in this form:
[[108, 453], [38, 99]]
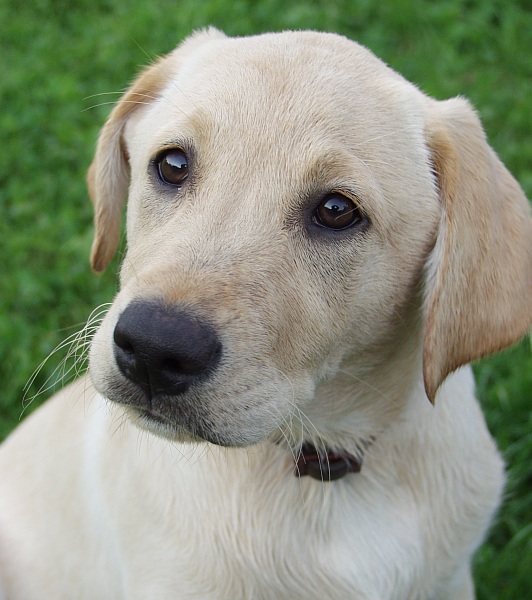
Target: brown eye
[[337, 211], [173, 167]]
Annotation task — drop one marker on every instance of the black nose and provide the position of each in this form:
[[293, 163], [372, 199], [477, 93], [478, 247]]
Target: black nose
[[162, 349]]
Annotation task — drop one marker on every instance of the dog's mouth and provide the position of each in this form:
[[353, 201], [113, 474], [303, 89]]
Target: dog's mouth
[[151, 416], [191, 420], [163, 426], [150, 419]]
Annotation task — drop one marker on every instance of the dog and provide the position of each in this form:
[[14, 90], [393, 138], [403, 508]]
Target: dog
[[280, 404]]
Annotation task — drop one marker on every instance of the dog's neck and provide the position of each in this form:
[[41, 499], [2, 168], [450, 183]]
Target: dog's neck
[[357, 413]]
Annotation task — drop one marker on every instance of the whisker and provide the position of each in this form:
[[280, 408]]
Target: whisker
[[104, 94], [382, 394], [76, 345], [145, 52], [389, 134], [107, 103], [307, 427]]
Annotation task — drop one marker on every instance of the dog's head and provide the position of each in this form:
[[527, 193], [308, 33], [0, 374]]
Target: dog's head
[[298, 214]]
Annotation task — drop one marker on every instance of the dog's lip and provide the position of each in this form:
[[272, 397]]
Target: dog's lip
[[153, 416], [156, 422], [164, 427]]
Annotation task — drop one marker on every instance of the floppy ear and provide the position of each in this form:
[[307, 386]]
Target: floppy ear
[[479, 276], [108, 176]]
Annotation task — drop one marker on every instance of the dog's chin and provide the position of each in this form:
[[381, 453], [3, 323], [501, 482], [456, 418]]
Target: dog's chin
[[160, 426]]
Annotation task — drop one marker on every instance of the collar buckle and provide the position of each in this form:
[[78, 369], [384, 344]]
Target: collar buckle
[[325, 465]]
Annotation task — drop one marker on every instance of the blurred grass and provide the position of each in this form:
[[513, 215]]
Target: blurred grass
[[55, 54]]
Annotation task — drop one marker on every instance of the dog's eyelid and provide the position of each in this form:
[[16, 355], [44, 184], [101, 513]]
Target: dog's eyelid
[[350, 195]]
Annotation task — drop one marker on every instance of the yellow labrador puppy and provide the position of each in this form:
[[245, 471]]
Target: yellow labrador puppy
[[315, 248]]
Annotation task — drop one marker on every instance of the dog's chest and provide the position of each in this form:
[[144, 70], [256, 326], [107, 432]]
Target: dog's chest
[[290, 539], [215, 523]]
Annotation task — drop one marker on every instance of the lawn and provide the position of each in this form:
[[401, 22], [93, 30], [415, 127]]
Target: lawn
[[57, 55]]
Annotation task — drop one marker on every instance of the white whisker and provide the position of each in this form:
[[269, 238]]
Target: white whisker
[[107, 103], [73, 363], [104, 94]]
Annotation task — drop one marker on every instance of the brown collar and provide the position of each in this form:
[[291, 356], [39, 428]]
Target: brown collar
[[325, 465]]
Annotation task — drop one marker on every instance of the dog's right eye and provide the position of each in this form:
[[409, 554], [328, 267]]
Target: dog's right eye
[[337, 212], [173, 166]]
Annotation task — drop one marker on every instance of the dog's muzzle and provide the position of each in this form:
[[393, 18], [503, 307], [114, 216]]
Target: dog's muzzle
[[164, 350]]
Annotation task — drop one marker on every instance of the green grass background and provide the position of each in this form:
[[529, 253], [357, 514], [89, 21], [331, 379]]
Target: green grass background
[[54, 54]]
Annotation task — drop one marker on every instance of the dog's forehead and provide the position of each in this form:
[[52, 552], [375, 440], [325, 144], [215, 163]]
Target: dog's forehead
[[295, 63], [290, 87], [279, 65]]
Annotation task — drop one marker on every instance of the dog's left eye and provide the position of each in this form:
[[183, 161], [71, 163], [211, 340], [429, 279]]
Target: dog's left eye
[[337, 211], [173, 166]]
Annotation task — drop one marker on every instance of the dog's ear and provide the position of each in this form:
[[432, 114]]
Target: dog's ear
[[108, 176], [479, 276]]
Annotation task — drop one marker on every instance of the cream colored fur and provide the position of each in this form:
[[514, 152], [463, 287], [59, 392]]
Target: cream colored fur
[[331, 338]]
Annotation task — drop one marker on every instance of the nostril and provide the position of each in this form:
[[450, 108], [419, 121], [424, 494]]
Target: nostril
[[122, 341], [127, 348], [171, 367], [188, 363]]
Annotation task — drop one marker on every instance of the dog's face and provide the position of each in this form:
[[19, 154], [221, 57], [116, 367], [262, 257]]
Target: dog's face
[[284, 196]]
